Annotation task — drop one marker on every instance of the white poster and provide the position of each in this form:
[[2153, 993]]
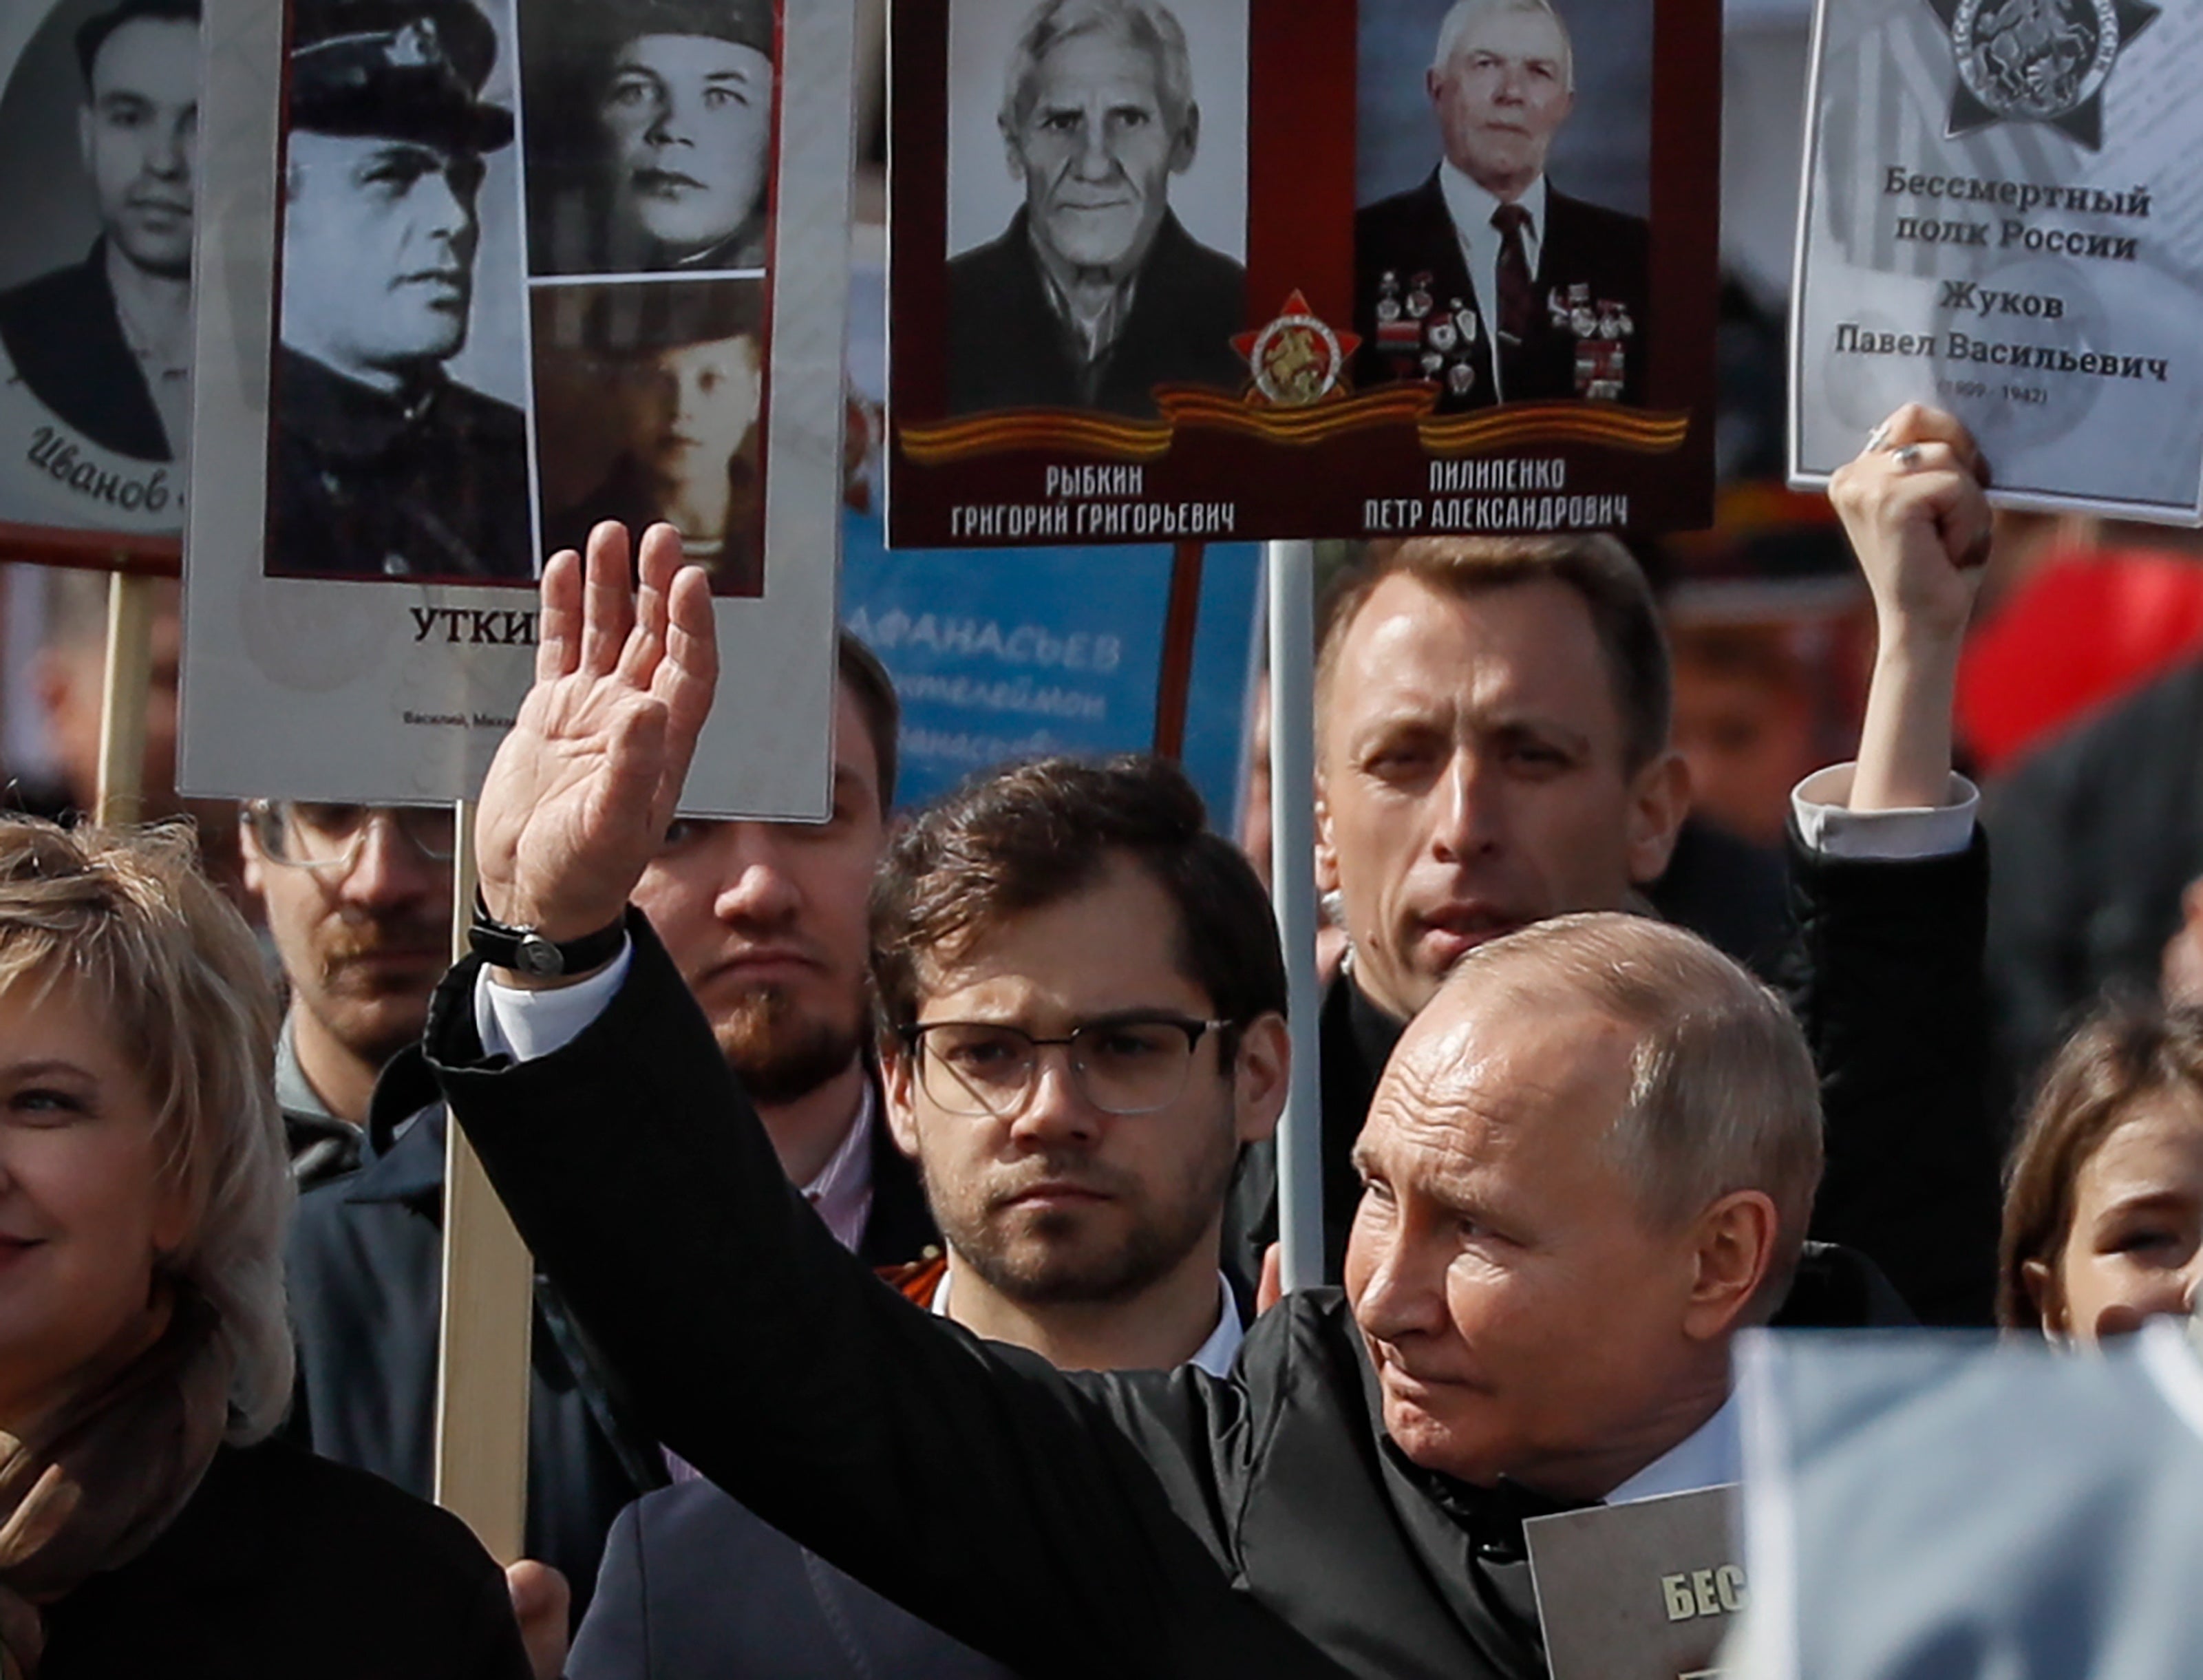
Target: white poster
[[476, 274], [2001, 217]]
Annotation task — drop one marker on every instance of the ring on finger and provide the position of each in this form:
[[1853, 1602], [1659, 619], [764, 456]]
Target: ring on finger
[[1876, 438], [1906, 456]]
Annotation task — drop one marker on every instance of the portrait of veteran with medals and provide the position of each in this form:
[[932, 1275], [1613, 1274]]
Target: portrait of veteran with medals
[[385, 466], [1487, 280], [1095, 293], [105, 344]]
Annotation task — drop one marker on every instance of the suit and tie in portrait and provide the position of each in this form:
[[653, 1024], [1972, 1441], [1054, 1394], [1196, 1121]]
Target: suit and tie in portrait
[[1487, 280]]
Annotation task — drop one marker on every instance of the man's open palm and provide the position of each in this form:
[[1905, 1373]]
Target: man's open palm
[[580, 794]]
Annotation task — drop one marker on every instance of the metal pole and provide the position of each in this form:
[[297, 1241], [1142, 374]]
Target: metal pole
[[489, 1312], [1291, 568]]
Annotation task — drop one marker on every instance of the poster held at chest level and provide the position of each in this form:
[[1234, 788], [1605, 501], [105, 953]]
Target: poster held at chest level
[[1212, 269], [99, 111], [1646, 1589], [475, 275], [2001, 217]]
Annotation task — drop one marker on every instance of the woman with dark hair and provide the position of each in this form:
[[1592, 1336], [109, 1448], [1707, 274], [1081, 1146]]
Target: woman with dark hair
[[147, 1525], [2103, 1212]]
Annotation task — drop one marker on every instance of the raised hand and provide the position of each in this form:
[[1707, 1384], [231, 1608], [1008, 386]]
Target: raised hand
[[1912, 504], [580, 794]]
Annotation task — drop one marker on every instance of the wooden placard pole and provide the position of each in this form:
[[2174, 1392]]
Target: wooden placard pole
[[1292, 569], [125, 683], [489, 1312], [1182, 622]]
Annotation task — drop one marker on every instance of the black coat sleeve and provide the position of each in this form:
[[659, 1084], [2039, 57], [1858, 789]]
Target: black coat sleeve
[[1888, 986], [1077, 1527]]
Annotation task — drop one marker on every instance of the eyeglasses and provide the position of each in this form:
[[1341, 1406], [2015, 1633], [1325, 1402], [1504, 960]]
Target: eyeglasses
[[1129, 1066], [328, 839]]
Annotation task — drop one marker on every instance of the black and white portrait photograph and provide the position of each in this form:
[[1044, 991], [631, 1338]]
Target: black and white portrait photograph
[[1503, 175], [1097, 201], [98, 136], [649, 406], [400, 440], [649, 134]]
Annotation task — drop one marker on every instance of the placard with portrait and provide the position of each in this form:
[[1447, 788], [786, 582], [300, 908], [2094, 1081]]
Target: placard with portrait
[[1198, 270], [99, 141], [480, 275]]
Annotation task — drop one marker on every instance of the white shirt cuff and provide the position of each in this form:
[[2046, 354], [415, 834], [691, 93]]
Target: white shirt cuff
[[1822, 804], [530, 1025]]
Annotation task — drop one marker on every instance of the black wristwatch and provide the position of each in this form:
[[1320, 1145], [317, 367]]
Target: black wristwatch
[[525, 951]]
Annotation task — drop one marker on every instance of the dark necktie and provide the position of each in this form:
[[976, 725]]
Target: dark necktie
[[1518, 308]]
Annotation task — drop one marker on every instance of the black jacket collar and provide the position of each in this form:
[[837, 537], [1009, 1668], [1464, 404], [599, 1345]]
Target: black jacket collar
[[349, 420]]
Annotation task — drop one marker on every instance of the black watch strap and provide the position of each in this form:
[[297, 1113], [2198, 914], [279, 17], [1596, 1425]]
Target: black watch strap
[[525, 951]]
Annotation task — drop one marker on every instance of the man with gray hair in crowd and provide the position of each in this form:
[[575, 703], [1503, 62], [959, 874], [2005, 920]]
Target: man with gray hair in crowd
[[1585, 1171], [1095, 293]]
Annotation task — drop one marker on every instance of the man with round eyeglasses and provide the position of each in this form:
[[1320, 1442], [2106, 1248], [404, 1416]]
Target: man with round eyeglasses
[[1081, 1007], [358, 900], [1082, 1023]]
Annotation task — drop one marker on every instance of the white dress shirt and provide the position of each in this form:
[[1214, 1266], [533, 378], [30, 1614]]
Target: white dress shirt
[[1709, 1456], [842, 1192], [1471, 208]]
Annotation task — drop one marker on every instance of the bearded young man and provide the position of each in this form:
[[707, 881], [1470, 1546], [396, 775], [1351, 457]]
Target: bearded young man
[[1081, 1008]]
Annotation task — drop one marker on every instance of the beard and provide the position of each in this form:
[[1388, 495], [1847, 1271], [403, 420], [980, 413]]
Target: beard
[[1062, 1259], [781, 1054]]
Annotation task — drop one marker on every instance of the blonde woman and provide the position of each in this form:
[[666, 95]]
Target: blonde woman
[[147, 1526]]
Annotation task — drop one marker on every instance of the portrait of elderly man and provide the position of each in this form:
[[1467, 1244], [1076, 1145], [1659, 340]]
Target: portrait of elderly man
[[106, 344], [1487, 280], [385, 466], [661, 158], [1094, 294]]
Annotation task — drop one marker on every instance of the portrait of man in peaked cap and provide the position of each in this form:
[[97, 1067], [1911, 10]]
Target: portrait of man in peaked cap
[[384, 464]]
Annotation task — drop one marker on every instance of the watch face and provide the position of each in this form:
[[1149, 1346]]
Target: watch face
[[537, 956]]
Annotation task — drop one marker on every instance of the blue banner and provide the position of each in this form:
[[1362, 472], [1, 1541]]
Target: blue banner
[[1005, 654]]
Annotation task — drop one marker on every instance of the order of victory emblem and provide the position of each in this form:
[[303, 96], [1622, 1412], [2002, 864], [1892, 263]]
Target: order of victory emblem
[[1297, 360], [2037, 61]]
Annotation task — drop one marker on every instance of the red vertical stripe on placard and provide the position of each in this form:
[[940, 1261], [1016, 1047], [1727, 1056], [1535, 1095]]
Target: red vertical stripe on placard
[[1686, 72], [1175, 687], [1300, 157], [917, 206]]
